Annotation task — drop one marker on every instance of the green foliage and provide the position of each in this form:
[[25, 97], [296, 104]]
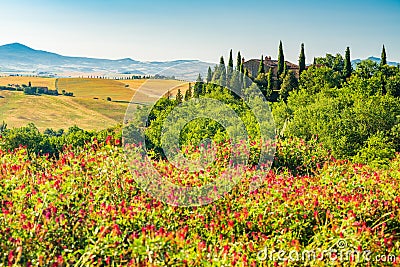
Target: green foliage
[[377, 150], [336, 63], [316, 79], [367, 68], [50, 142], [344, 118], [289, 84]]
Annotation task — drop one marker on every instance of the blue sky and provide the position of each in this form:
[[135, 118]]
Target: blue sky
[[167, 30]]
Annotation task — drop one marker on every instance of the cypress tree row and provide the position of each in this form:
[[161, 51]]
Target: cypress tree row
[[302, 60], [383, 56], [347, 64]]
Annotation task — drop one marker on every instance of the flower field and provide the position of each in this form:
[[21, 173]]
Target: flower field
[[85, 209]]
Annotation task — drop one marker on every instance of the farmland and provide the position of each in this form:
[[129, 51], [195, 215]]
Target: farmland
[[88, 109]]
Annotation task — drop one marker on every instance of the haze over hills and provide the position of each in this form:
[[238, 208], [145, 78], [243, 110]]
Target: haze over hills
[[375, 59], [19, 58]]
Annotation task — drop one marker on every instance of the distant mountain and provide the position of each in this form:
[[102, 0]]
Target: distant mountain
[[19, 58], [375, 59]]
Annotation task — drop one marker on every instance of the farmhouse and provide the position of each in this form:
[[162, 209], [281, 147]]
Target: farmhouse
[[253, 64]]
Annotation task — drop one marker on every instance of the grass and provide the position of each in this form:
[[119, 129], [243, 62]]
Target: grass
[[88, 109]]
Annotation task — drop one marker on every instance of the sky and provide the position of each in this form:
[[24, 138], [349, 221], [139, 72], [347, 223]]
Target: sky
[[169, 30]]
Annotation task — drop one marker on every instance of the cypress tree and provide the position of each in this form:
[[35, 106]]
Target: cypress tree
[[270, 81], [222, 68], [246, 79], [209, 75], [229, 70], [302, 60], [188, 93], [347, 64], [383, 56], [261, 69], [238, 61], [179, 96], [281, 60], [198, 87], [289, 84]]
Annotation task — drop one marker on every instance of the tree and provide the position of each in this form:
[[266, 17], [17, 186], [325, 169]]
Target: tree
[[246, 79], [29, 84], [261, 69], [222, 68], [289, 84], [383, 56], [209, 75], [238, 61], [188, 93], [347, 64], [229, 70], [302, 60], [281, 60], [179, 96], [198, 87], [270, 81]]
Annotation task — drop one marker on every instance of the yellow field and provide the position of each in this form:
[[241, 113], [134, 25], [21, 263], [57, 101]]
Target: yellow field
[[88, 108], [35, 81]]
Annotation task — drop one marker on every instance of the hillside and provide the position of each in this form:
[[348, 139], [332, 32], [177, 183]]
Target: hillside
[[18, 58], [88, 109]]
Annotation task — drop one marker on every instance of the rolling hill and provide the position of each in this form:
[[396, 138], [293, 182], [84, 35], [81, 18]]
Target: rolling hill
[[88, 109], [19, 58]]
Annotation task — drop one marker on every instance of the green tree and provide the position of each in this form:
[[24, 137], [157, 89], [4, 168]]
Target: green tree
[[229, 70], [179, 96], [302, 60], [198, 87], [238, 61], [281, 60], [261, 69], [270, 80], [209, 75], [222, 79], [289, 84], [383, 56], [347, 64], [188, 93], [246, 79]]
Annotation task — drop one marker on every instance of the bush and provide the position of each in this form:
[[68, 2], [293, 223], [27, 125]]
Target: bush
[[108, 98]]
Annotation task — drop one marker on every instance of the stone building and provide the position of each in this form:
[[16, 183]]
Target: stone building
[[253, 64]]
